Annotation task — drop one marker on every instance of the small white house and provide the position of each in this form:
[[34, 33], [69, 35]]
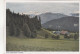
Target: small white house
[[56, 32]]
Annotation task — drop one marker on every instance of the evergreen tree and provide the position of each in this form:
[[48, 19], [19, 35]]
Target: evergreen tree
[[26, 30], [31, 26], [39, 23], [33, 34], [17, 22], [11, 30], [17, 31]]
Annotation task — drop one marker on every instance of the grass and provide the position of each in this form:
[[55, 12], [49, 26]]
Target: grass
[[41, 33], [41, 44], [24, 44]]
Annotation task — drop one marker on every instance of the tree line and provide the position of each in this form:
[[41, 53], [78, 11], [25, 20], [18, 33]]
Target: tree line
[[21, 23]]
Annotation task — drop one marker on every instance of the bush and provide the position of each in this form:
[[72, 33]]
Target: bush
[[53, 36], [33, 34], [68, 36], [46, 35], [57, 37], [76, 36], [65, 36]]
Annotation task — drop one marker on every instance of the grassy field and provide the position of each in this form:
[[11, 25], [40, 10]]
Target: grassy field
[[24, 44]]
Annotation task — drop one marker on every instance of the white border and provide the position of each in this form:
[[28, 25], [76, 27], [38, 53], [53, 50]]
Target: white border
[[37, 0], [2, 20], [46, 1], [3, 28]]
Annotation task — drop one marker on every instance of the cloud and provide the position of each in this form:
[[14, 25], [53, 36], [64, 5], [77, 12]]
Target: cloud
[[37, 8]]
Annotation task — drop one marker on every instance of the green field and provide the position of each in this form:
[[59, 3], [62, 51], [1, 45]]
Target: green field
[[25, 44]]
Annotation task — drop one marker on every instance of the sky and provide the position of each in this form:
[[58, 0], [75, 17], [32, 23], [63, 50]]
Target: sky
[[38, 8]]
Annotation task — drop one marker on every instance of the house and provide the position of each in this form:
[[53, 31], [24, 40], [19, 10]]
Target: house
[[64, 32], [56, 32], [61, 32]]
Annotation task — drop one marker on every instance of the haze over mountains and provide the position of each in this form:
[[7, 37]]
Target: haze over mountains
[[75, 14], [58, 21], [45, 17], [50, 16], [69, 23]]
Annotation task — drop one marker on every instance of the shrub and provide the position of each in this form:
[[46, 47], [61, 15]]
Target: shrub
[[33, 34], [53, 36], [57, 37], [46, 35], [65, 36], [76, 36]]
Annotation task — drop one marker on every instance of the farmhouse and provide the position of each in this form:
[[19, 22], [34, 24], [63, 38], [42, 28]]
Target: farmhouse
[[61, 32], [64, 32], [56, 32]]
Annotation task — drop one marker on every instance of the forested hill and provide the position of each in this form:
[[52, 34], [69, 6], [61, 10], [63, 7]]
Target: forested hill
[[17, 24], [68, 23]]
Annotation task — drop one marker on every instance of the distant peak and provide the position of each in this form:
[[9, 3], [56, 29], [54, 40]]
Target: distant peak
[[53, 13]]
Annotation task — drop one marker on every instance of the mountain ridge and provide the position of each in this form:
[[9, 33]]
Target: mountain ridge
[[45, 17], [64, 23]]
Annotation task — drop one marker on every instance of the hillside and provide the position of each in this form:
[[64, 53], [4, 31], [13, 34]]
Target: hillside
[[41, 33], [17, 24], [23, 26], [45, 17], [65, 23]]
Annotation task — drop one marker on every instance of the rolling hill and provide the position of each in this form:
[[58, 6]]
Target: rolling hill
[[45, 17], [69, 23]]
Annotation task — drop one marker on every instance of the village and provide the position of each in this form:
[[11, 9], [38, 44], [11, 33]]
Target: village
[[66, 34]]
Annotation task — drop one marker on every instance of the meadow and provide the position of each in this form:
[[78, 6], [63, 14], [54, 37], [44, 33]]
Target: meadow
[[36, 44]]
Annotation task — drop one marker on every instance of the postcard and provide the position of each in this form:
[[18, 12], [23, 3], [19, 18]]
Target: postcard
[[42, 27]]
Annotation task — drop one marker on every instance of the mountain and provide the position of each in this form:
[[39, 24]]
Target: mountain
[[69, 23], [75, 14], [45, 17]]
